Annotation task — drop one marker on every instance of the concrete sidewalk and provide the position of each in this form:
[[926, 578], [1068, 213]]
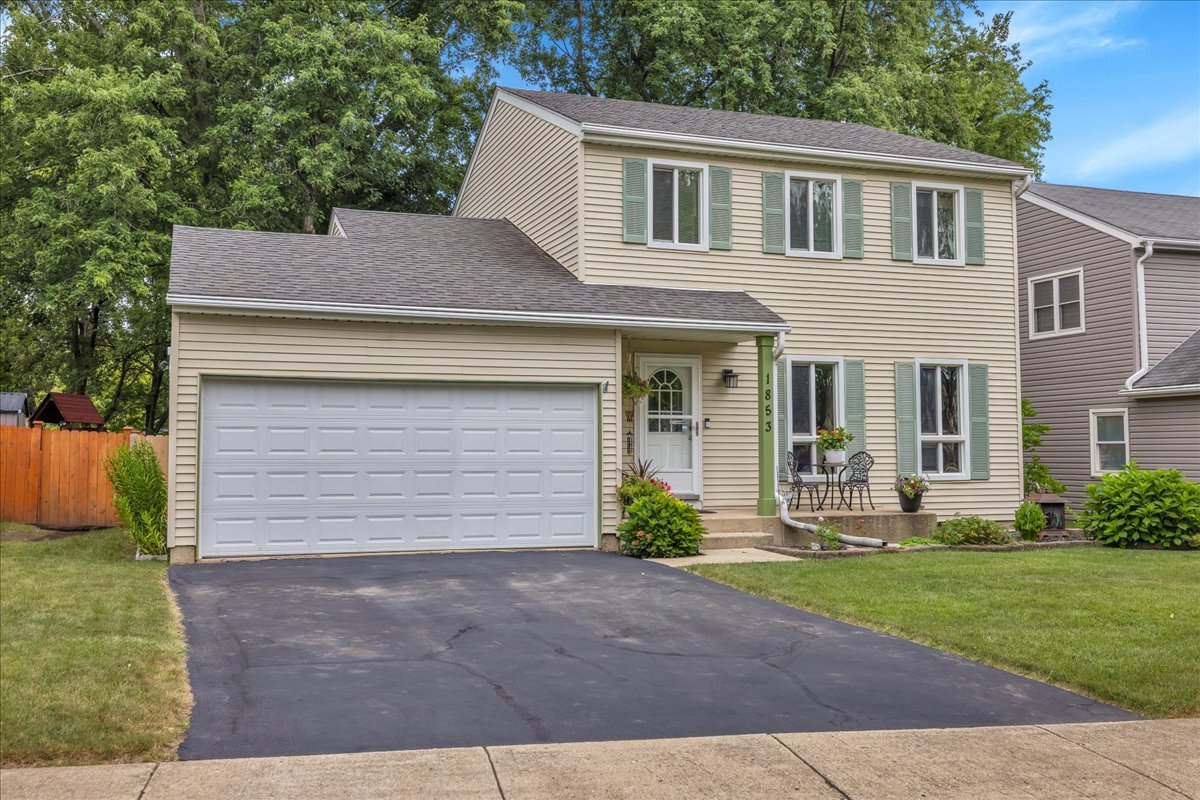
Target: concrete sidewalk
[[1112, 760]]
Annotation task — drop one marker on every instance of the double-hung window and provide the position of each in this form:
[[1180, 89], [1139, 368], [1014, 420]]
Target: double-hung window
[[1056, 304], [938, 214], [942, 419], [1110, 439], [814, 212], [678, 205], [814, 389]]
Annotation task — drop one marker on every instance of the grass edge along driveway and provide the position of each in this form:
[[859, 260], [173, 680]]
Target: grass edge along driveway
[[92, 652], [1121, 626]]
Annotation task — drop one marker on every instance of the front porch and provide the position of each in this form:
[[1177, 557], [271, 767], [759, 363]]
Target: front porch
[[745, 527]]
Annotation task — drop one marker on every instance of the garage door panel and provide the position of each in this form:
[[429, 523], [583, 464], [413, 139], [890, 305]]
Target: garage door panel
[[294, 467]]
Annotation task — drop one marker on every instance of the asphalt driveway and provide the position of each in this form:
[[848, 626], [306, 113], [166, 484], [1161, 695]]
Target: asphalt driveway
[[305, 656]]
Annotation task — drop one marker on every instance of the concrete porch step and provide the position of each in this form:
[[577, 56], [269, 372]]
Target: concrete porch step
[[737, 522], [726, 540]]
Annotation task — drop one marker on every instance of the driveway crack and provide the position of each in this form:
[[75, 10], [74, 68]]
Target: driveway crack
[[1123, 765]]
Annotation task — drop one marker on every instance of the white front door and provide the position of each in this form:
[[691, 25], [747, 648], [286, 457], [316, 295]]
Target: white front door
[[669, 421]]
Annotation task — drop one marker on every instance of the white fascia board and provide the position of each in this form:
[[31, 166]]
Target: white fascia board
[[219, 304], [1084, 219], [610, 134], [1162, 391]]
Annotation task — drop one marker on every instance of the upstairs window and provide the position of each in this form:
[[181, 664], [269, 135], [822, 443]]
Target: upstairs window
[[813, 215], [938, 223], [678, 205], [1056, 304], [942, 422]]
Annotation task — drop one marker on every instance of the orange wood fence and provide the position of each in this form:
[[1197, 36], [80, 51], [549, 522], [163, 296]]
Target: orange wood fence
[[56, 478]]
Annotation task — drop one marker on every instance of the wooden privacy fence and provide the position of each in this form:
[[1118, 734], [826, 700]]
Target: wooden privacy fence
[[56, 478]]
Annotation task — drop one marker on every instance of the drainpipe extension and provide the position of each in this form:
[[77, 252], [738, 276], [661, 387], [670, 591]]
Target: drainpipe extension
[[856, 541], [1143, 345]]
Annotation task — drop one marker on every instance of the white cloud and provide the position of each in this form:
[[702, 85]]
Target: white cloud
[[1049, 30], [1170, 139]]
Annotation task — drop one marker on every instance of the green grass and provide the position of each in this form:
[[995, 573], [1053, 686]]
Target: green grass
[[1121, 626], [91, 652]]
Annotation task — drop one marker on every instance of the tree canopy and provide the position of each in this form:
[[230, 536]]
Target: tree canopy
[[122, 118]]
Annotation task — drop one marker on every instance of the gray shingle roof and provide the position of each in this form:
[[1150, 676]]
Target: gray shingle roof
[[425, 261], [1180, 367], [12, 401], [793, 131], [1166, 216]]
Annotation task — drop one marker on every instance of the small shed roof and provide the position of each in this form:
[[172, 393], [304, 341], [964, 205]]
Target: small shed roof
[[13, 402], [1180, 367], [67, 409]]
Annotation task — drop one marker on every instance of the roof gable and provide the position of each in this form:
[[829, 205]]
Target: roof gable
[[783, 132]]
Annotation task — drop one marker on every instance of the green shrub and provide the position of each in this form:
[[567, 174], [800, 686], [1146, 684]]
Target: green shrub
[[1143, 506], [660, 525], [917, 541], [971, 530], [140, 495], [1029, 520], [633, 488], [828, 533]]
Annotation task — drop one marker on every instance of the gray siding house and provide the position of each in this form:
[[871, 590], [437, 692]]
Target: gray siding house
[[1109, 290]]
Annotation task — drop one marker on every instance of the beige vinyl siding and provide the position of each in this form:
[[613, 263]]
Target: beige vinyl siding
[[1066, 376], [1164, 433], [325, 349], [872, 308], [526, 170], [1172, 300]]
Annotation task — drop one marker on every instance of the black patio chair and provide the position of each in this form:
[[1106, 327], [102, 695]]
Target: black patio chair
[[856, 477], [798, 484]]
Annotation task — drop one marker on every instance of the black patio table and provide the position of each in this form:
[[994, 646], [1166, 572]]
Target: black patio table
[[833, 474]]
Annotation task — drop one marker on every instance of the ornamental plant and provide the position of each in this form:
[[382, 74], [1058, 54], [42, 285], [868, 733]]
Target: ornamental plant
[[140, 495], [632, 488], [1029, 520], [634, 387], [834, 439], [1143, 507], [660, 525], [971, 530], [828, 533], [912, 486]]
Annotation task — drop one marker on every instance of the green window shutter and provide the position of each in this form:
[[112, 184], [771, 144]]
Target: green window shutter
[[773, 212], [852, 219], [906, 417], [902, 249], [782, 431], [854, 382], [720, 208], [633, 201], [974, 214], [977, 408]]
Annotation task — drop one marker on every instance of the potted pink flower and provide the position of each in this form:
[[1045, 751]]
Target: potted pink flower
[[910, 489], [833, 444]]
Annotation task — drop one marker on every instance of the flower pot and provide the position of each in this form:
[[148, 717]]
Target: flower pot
[[909, 504], [835, 456]]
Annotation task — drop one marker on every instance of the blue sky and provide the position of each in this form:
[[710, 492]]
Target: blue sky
[[1125, 83]]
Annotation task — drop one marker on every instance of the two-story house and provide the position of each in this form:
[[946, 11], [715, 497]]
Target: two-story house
[[1110, 329], [414, 382]]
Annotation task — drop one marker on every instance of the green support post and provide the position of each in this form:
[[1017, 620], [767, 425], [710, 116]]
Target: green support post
[[766, 426]]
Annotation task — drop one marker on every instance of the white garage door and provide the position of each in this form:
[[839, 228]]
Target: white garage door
[[331, 467]]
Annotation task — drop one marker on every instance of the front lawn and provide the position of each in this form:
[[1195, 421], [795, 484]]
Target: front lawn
[[91, 652], [1122, 626]]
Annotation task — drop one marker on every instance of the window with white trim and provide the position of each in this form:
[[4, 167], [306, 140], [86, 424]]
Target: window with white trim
[[938, 214], [942, 418], [1110, 439], [815, 404], [1056, 304], [678, 205], [814, 213]]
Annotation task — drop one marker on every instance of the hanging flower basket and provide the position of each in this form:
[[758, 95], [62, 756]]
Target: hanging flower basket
[[634, 387]]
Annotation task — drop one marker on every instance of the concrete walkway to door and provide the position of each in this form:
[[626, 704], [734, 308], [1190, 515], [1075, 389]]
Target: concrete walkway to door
[[1142, 760], [339, 655]]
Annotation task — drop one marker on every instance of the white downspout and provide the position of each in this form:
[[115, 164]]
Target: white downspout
[[1143, 344], [1022, 185]]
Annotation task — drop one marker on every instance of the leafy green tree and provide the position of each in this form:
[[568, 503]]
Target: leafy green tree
[[1037, 474], [929, 68]]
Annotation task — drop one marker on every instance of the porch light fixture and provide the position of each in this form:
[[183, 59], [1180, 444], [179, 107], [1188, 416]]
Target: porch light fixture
[[730, 377]]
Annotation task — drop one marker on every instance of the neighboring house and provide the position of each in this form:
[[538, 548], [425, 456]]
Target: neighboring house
[[1110, 309], [422, 382], [68, 411], [14, 408]]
